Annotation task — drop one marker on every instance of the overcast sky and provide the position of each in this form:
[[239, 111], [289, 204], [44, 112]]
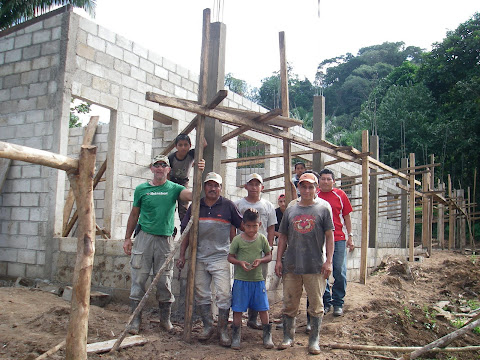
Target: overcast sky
[[172, 28]]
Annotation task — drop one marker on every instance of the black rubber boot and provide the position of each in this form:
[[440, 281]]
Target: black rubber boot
[[252, 320], [236, 337], [134, 327], [165, 312], [267, 336], [314, 337], [288, 332], [206, 315], [222, 327], [309, 327]]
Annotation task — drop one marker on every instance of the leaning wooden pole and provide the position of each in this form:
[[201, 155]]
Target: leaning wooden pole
[[197, 179], [365, 209], [442, 342], [88, 135], [82, 184], [287, 144], [152, 286]]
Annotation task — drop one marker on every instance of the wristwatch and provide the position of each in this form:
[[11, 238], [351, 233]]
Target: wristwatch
[[350, 234]]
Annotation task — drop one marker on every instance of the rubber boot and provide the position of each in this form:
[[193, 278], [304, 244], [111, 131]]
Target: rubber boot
[[236, 337], [206, 315], [314, 337], [165, 312], [267, 336], [288, 332], [252, 320], [309, 327], [134, 327], [222, 327]]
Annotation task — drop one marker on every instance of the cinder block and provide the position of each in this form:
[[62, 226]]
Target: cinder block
[[19, 92], [35, 271], [42, 36], [28, 228], [20, 214], [16, 269], [106, 34], [35, 243], [161, 72], [3, 268], [114, 247], [8, 255], [49, 48], [13, 55], [131, 58], [7, 44], [174, 78], [96, 43], [26, 256], [88, 26], [68, 245], [124, 43]]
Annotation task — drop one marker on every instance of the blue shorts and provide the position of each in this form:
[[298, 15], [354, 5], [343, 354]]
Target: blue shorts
[[249, 294]]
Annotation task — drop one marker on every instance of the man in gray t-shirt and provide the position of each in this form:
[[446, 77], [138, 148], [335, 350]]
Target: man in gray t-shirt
[[305, 228]]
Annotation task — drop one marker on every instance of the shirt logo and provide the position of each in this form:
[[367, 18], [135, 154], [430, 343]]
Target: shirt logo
[[157, 193], [304, 223]]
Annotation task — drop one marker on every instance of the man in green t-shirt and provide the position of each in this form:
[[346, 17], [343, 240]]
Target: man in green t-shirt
[[154, 208]]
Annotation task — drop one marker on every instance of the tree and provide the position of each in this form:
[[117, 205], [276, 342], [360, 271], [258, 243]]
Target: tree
[[13, 12], [82, 108]]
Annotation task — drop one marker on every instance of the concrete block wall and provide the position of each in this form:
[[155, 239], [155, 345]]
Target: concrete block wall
[[33, 114]]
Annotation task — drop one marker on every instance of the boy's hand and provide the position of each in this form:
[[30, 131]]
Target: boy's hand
[[256, 262], [245, 265]]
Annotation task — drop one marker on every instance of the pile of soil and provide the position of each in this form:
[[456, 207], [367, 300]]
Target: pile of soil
[[399, 306]]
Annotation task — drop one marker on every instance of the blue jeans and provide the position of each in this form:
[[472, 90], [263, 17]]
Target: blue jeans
[[336, 295]]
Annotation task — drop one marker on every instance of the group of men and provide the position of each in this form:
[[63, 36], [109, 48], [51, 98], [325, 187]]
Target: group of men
[[311, 245]]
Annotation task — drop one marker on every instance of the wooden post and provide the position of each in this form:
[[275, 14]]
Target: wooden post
[[425, 211], [411, 239], [469, 211], [287, 145], [197, 179], [88, 135], [318, 130], [431, 187], [365, 209], [461, 223], [441, 221], [451, 217], [404, 209], [373, 216], [82, 184]]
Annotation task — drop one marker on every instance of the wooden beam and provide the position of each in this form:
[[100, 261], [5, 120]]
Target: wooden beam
[[104, 346], [82, 184], [390, 169], [261, 118], [268, 156], [237, 120], [36, 156], [365, 209], [221, 94], [451, 218], [417, 193]]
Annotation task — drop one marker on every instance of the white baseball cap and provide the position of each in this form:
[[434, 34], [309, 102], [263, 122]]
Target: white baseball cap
[[254, 176], [213, 176]]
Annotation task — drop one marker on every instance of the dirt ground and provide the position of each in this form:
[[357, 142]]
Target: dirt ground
[[395, 308]]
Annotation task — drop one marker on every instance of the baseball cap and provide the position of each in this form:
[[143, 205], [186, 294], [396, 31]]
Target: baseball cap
[[254, 176], [281, 196], [308, 177], [213, 176], [160, 157]]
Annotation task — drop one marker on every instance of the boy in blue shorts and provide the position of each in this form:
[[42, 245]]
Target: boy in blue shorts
[[249, 289]]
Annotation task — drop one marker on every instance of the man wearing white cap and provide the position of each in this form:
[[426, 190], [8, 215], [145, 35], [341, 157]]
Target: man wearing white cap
[[268, 218], [153, 209], [216, 217], [305, 228]]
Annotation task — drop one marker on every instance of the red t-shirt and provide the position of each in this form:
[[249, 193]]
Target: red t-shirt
[[341, 207]]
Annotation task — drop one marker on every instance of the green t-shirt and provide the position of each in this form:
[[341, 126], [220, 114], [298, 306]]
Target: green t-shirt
[[249, 251], [157, 207]]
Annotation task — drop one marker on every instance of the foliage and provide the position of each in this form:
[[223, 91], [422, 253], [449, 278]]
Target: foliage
[[247, 147], [13, 12], [82, 108], [240, 87]]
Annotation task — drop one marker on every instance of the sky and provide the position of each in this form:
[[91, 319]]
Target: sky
[[173, 29]]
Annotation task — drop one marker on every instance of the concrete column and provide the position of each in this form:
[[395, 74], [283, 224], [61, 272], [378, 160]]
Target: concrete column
[[216, 80], [373, 233], [404, 209], [318, 129]]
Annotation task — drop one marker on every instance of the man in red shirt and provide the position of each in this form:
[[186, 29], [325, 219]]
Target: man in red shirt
[[343, 236]]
